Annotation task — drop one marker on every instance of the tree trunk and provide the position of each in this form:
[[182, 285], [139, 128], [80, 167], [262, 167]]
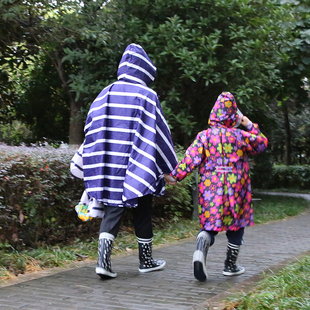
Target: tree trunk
[[288, 148], [76, 134]]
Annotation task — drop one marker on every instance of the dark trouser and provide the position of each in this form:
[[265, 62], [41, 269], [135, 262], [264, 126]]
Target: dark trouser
[[233, 236], [142, 218]]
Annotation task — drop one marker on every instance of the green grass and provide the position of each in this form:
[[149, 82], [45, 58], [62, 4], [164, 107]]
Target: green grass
[[271, 208], [12, 263], [288, 190], [289, 289]]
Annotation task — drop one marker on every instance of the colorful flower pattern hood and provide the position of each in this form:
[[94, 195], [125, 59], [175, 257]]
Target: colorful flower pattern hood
[[224, 111]]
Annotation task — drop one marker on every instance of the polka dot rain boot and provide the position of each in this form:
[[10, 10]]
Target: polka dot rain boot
[[200, 256], [105, 245], [147, 263], [230, 267]]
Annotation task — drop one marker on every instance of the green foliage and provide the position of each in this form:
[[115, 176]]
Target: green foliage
[[291, 94], [69, 50], [299, 135], [288, 289], [177, 201], [192, 41], [38, 195], [44, 106], [291, 177], [13, 260], [54, 256], [15, 133], [206, 53], [45, 256]]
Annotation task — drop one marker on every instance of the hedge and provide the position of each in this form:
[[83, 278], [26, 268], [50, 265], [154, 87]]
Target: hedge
[[297, 177], [38, 195]]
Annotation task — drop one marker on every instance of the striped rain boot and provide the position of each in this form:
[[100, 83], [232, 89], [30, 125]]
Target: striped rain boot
[[230, 267], [147, 263], [103, 268], [200, 256]]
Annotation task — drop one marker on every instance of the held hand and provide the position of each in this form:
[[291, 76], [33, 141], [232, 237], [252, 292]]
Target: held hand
[[245, 121], [169, 179]]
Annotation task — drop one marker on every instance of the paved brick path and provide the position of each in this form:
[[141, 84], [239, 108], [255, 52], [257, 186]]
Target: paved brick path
[[173, 288]]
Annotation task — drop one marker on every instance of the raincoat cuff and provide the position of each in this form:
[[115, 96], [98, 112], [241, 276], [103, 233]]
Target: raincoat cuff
[[249, 126]]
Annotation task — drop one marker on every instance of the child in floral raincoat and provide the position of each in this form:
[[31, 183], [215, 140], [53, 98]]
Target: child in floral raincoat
[[221, 155]]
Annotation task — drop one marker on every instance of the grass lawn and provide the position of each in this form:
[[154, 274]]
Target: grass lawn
[[289, 289], [271, 208]]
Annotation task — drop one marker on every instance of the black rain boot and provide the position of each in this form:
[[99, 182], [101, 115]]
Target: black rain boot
[[105, 245], [147, 263], [200, 256], [230, 268]]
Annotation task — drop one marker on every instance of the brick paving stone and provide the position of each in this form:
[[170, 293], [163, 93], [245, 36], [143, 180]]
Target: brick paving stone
[[173, 288]]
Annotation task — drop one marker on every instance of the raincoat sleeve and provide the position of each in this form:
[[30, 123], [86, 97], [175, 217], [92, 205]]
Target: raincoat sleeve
[[255, 141], [194, 156]]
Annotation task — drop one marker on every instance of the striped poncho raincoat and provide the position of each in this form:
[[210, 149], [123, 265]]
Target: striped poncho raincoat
[[128, 145], [221, 155]]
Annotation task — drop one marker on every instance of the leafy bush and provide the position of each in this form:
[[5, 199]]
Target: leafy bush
[[15, 133], [297, 177], [177, 201], [38, 195]]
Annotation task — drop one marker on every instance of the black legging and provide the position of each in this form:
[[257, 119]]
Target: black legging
[[233, 236], [142, 218]]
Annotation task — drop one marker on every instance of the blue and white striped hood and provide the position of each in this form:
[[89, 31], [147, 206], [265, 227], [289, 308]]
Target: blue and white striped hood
[[128, 144], [136, 66]]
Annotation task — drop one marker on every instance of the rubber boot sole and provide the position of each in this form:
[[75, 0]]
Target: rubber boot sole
[[200, 270], [104, 273], [236, 273], [145, 270]]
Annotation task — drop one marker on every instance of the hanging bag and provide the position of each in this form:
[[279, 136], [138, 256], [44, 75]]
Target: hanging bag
[[88, 208]]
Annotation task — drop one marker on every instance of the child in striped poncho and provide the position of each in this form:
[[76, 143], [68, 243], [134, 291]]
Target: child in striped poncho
[[126, 153]]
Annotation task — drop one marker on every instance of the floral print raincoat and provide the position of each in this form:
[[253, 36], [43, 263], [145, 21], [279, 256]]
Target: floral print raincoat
[[221, 155]]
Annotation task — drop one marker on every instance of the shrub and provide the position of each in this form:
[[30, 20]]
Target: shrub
[[297, 177], [177, 201], [15, 133], [38, 195]]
